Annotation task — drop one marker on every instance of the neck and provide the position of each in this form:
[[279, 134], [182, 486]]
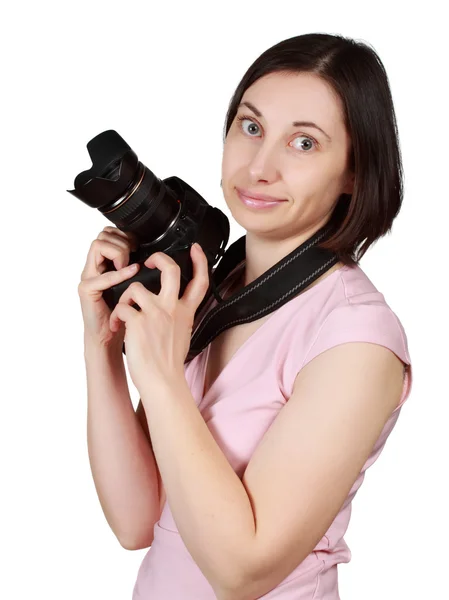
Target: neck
[[262, 253]]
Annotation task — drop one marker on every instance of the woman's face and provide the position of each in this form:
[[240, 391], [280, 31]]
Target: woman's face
[[265, 153]]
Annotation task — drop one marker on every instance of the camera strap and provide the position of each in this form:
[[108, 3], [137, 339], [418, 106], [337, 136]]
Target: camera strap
[[276, 286]]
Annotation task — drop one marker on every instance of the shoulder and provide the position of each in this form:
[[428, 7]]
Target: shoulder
[[358, 313], [348, 309]]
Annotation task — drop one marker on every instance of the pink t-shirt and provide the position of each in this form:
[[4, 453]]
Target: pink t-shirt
[[245, 399]]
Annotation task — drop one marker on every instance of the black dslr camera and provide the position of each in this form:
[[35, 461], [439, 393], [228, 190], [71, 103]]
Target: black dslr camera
[[166, 215]]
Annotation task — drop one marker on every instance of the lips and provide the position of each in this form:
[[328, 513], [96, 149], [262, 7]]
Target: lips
[[260, 197], [258, 204]]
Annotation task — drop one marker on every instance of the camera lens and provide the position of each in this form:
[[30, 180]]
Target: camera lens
[[126, 191], [148, 207]]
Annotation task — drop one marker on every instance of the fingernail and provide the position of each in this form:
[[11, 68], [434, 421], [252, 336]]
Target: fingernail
[[133, 267]]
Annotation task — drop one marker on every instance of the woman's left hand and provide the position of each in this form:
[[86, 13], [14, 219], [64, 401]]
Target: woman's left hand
[[157, 337]]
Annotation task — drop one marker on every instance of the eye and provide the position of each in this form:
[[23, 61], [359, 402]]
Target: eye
[[308, 139], [241, 119], [254, 125]]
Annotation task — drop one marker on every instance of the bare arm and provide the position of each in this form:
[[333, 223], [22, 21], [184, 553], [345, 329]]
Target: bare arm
[[121, 456], [141, 416]]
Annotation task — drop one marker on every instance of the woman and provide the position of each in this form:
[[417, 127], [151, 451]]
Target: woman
[[299, 403]]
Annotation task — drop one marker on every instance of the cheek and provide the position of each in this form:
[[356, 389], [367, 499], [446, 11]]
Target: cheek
[[231, 163], [310, 174], [301, 178]]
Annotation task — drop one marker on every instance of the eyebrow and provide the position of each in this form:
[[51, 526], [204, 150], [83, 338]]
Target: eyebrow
[[295, 123]]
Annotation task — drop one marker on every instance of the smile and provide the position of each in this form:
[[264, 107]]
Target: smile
[[258, 204]]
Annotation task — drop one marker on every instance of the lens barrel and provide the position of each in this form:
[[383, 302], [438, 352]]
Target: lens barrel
[[123, 189]]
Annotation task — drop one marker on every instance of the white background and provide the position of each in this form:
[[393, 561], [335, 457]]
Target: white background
[[162, 75]]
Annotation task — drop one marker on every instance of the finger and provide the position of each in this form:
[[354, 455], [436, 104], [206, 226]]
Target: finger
[[122, 313], [122, 259], [170, 278], [102, 249], [199, 284], [126, 235], [95, 261], [114, 238], [137, 293], [107, 280]]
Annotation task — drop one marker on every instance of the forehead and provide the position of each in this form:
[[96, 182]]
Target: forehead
[[288, 97]]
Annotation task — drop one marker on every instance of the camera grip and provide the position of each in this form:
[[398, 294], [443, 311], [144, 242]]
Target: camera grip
[[151, 278]]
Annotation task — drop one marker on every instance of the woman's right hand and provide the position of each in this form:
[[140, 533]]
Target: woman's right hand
[[115, 245]]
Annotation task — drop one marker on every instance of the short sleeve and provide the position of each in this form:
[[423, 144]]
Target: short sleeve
[[373, 323]]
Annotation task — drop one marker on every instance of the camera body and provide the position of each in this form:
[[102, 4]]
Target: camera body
[[196, 221]]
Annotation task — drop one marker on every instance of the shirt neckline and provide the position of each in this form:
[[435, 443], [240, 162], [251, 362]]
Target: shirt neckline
[[204, 355]]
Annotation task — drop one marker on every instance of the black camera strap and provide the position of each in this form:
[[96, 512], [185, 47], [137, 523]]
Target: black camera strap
[[276, 286]]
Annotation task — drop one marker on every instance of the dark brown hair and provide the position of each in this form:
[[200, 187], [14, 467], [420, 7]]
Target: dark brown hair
[[357, 75]]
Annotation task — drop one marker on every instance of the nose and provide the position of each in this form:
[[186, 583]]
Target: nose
[[264, 164]]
